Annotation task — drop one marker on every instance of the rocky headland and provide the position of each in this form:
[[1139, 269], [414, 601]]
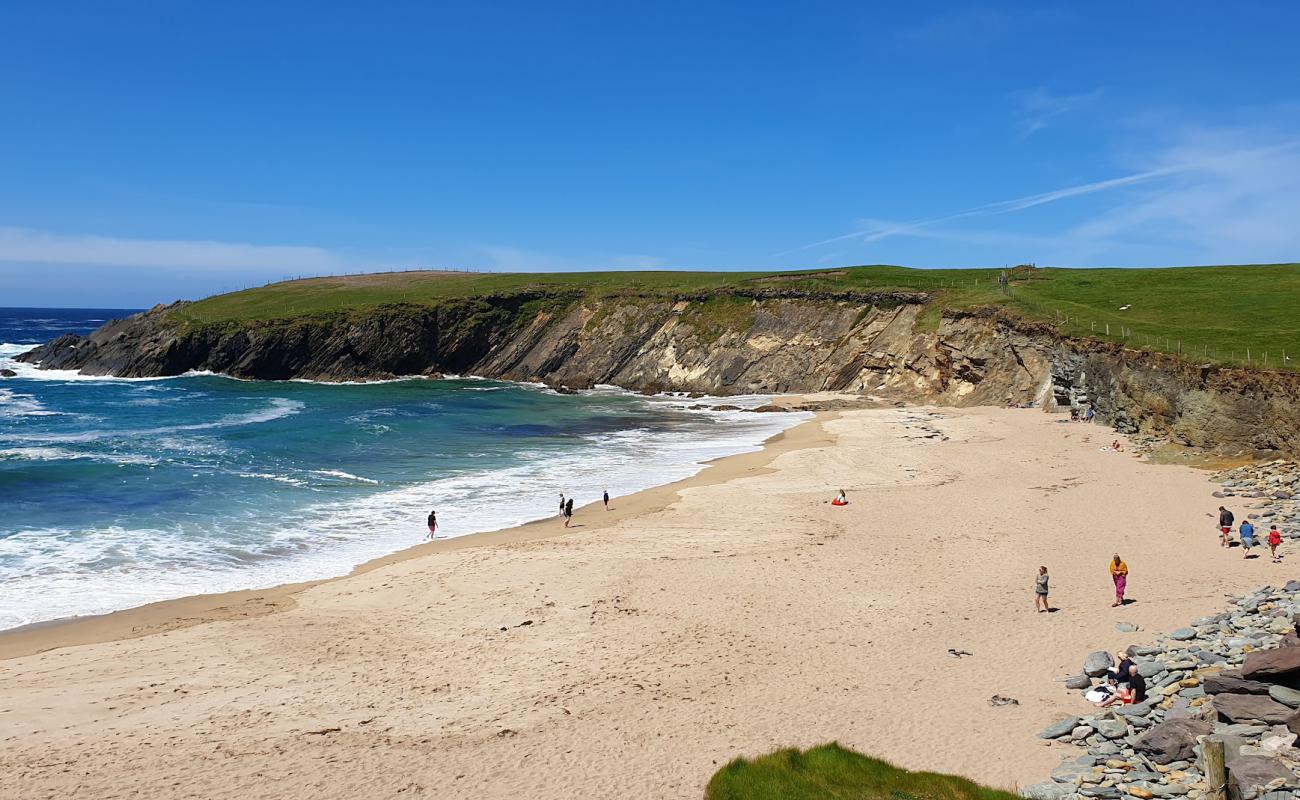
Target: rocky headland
[[897, 345]]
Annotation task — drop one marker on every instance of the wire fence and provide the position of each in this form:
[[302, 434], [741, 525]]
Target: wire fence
[[1275, 355]]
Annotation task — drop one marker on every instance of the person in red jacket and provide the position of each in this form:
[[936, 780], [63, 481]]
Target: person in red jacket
[[1274, 539]]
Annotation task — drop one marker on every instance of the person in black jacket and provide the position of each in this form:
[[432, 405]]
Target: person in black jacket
[[1225, 526]]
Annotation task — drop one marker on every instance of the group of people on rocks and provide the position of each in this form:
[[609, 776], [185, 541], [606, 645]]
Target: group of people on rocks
[[1247, 533]]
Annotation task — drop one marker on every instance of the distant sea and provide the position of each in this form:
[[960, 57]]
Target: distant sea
[[115, 493]]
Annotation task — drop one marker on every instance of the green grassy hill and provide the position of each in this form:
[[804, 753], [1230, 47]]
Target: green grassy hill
[[1228, 314], [830, 772]]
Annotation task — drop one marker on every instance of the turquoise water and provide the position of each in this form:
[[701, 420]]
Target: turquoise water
[[122, 492]]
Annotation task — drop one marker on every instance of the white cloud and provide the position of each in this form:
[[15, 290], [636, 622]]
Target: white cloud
[[21, 245], [1211, 197], [1039, 106]]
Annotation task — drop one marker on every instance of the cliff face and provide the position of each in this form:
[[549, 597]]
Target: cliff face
[[722, 343]]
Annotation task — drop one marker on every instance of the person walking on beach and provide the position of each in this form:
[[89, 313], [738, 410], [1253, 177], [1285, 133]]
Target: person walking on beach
[[1274, 540], [1040, 591], [1118, 574], [561, 504], [605, 497], [1247, 537], [433, 523], [1225, 526], [568, 512]]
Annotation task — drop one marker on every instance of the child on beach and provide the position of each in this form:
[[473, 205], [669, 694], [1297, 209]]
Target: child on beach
[[433, 523], [606, 499], [840, 499], [1274, 539], [1040, 591], [1247, 537], [568, 512], [1119, 574]]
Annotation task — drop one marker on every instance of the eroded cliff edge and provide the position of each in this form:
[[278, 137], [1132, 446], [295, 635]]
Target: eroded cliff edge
[[893, 344]]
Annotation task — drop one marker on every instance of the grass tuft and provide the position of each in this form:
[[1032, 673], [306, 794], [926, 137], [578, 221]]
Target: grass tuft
[[831, 772]]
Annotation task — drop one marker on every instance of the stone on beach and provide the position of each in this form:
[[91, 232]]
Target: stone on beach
[[1246, 707], [1283, 663], [1097, 663]]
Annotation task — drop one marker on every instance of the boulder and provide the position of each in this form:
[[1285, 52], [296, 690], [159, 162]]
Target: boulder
[[1047, 790], [1243, 707], [1231, 682], [1183, 634], [1285, 695], [1248, 773], [1277, 666], [1172, 740], [8, 373], [1078, 682], [1096, 664], [1058, 729]]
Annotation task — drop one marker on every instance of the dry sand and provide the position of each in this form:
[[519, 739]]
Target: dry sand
[[727, 615]]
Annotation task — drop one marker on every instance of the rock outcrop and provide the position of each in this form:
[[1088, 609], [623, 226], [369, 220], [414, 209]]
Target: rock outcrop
[[893, 344]]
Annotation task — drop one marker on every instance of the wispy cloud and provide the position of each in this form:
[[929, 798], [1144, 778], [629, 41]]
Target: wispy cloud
[[1212, 196], [21, 245], [1038, 107]]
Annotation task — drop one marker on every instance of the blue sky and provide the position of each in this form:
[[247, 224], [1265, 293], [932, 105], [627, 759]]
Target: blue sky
[[154, 151]]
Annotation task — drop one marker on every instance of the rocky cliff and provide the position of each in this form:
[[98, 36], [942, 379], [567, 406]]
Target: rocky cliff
[[892, 344]]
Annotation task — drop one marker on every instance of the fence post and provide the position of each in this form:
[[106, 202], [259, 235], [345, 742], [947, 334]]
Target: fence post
[[1212, 752]]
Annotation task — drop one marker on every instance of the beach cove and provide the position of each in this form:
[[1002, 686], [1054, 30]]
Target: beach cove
[[727, 614]]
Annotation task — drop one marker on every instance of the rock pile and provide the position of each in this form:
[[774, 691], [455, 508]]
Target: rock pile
[[1273, 488], [1235, 675]]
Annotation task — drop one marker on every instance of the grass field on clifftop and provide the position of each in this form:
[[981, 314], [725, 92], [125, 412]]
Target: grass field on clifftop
[[1228, 314], [830, 772]]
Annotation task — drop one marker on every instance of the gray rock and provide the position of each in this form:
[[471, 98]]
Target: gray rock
[[1047, 790], [1285, 695], [1126, 627], [1150, 669], [1078, 682], [1183, 634], [1058, 729], [1096, 664], [1112, 728], [1172, 740], [1135, 710]]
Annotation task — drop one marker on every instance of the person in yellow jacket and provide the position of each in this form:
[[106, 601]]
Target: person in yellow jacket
[[1119, 574]]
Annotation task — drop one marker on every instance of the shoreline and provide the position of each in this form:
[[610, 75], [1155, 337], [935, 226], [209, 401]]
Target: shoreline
[[203, 608]]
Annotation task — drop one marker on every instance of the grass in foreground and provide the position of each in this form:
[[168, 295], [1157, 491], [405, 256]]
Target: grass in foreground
[[830, 772]]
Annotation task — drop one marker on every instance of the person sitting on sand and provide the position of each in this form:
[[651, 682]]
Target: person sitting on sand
[[841, 499], [433, 523], [1117, 446], [1247, 537], [1040, 591], [1225, 526], [1118, 574], [1274, 540]]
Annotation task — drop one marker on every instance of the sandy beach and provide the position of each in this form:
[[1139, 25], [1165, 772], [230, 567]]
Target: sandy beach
[[726, 615]]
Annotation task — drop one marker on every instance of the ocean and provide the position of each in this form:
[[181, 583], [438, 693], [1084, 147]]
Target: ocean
[[115, 493]]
